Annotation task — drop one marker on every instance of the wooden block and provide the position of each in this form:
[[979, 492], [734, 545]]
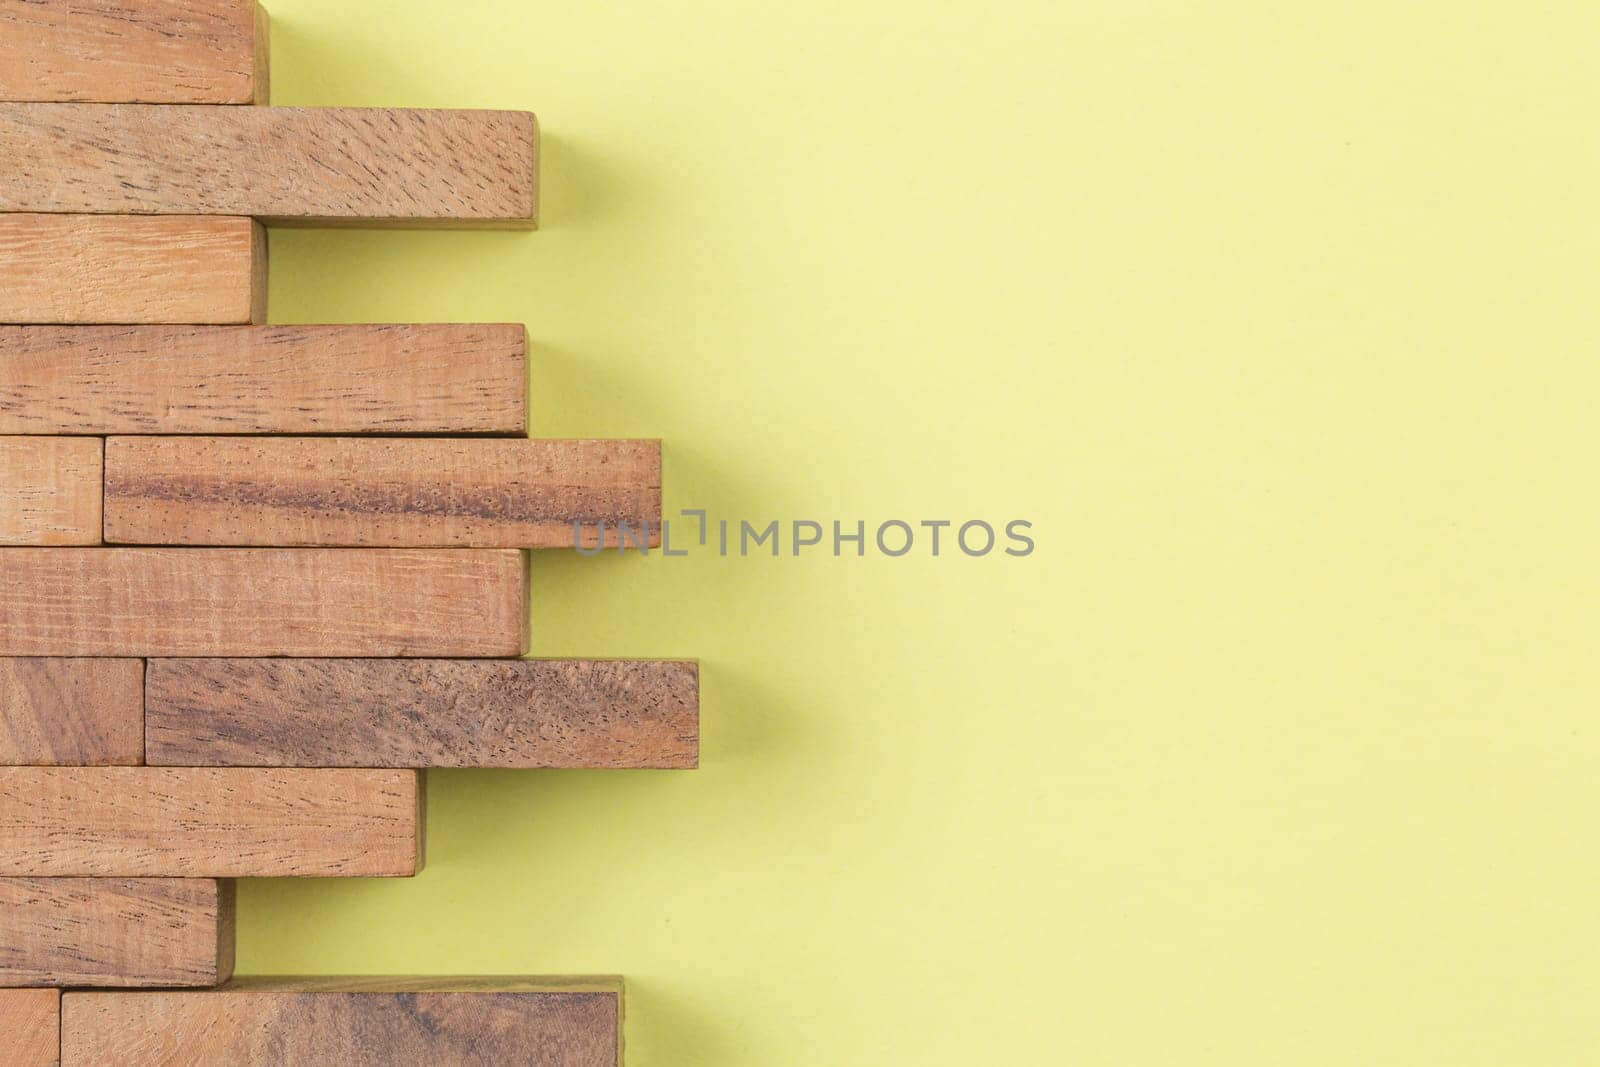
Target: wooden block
[[286, 164], [354, 1022], [50, 489], [374, 491], [126, 269], [260, 602], [422, 713], [205, 822], [263, 379], [30, 1022], [115, 931], [151, 51], [71, 712]]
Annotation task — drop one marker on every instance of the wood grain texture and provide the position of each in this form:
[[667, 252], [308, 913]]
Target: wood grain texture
[[128, 269], [422, 713], [30, 1027], [132, 51], [71, 712], [263, 379], [261, 602], [138, 932], [183, 822], [357, 1023], [50, 489], [375, 491], [286, 164]]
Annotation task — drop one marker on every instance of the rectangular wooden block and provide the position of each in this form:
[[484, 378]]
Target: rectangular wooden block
[[286, 164], [71, 712], [403, 379], [422, 713], [137, 932], [128, 269], [50, 489], [375, 491], [352, 1022], [205, 822], [261, 602], [30, 1022], [154, 51]]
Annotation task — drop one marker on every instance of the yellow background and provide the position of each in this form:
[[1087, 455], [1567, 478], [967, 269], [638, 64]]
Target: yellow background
[[1277, 319]]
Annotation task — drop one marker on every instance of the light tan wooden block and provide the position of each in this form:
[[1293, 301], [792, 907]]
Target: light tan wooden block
[[30, 1027], [422, 713], [399, 379], [128, 269], [286, 164], [261, 602], [354, 1022], [133, 51], [375, 491], [138, 932], [50, 489], [206, 822], [71, 712]]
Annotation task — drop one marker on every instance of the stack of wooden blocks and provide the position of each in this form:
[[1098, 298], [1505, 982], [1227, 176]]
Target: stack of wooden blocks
[[256, 578]]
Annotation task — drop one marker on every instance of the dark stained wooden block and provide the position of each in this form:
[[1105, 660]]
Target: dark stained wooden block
[[71, 712], [137, 932], [129, 269], [261, 602], [134, 51], [205, 822], [422, 713], [354, 1022], [400, 379], [376, 492], [285, 164]]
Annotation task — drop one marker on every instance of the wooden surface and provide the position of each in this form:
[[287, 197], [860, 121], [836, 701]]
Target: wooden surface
[[50, 489], [30, 1026], [263, 379], [132, 51], [72, 712], [287, 164], [422, 713], [370, 1024], [126, 269], [115, 931], [261, 602], [182, 822], [374, 491]]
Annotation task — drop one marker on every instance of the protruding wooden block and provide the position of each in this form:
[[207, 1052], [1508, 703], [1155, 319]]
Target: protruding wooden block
[[133, 51], [204, 822], [128, 269], [71, 712], [353, 1022], [50, 489], [422, 713], [376, 492], [286, 164], [136, 932], [405, 379], [261, 602], [30, 1027]]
